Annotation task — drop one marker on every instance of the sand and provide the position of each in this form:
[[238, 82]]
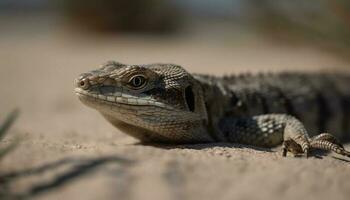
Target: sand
[[69, 151]]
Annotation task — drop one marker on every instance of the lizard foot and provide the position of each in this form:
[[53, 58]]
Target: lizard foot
[[295, 148], [328, 142], [295, 137]]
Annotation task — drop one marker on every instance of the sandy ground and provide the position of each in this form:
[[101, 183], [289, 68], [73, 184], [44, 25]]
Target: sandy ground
[[69, 151]]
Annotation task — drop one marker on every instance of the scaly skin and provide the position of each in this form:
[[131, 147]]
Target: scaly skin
[[164, 103]]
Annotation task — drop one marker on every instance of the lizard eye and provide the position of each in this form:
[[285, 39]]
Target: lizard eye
[[84, 84], [137, 81]]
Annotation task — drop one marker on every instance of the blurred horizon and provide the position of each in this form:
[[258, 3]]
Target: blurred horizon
[[225, 25]]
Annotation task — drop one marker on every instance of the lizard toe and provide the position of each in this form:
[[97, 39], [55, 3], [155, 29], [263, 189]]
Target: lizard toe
[[292, 147]]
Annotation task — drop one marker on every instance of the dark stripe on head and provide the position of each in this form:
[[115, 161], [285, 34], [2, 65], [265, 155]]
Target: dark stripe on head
[[288, 105], [264, 104], [345, 103], [323, 112], [332, 86]]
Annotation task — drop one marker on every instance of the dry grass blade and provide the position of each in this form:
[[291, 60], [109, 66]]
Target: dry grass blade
[[8, 122], [3, 130]]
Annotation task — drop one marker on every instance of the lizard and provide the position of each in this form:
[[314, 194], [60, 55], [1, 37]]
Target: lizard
[[163, 103]]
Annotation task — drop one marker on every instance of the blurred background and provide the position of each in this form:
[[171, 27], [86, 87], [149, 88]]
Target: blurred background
[[55, 40], [50, 42], [248, 34], [46, 44]]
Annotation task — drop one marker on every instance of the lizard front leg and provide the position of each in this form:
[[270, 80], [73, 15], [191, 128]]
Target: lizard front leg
[[324, 141], [268, 131], [273, 129]]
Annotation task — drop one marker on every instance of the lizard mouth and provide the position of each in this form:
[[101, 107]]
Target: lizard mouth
[[119, 98]]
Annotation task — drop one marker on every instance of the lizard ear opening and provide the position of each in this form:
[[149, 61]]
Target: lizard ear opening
[[189, 96]]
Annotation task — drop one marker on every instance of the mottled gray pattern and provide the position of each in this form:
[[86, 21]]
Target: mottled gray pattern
[[164, 103]]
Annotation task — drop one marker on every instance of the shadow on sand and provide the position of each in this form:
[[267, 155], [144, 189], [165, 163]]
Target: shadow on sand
[[318, 154], [202, 146], [80, 167]]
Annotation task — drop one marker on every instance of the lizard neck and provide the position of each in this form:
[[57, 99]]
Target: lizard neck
[[217, 100]]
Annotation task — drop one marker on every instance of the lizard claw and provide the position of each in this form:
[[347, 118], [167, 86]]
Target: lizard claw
[[296, 148], [306, 152], [293, 147], [326, 141]]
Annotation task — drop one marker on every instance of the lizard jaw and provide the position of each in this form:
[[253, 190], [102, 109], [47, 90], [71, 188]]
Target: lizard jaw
[[120, 99], [147, 122]]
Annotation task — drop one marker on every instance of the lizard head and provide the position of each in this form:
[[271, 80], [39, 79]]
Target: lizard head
[[155, 102]]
